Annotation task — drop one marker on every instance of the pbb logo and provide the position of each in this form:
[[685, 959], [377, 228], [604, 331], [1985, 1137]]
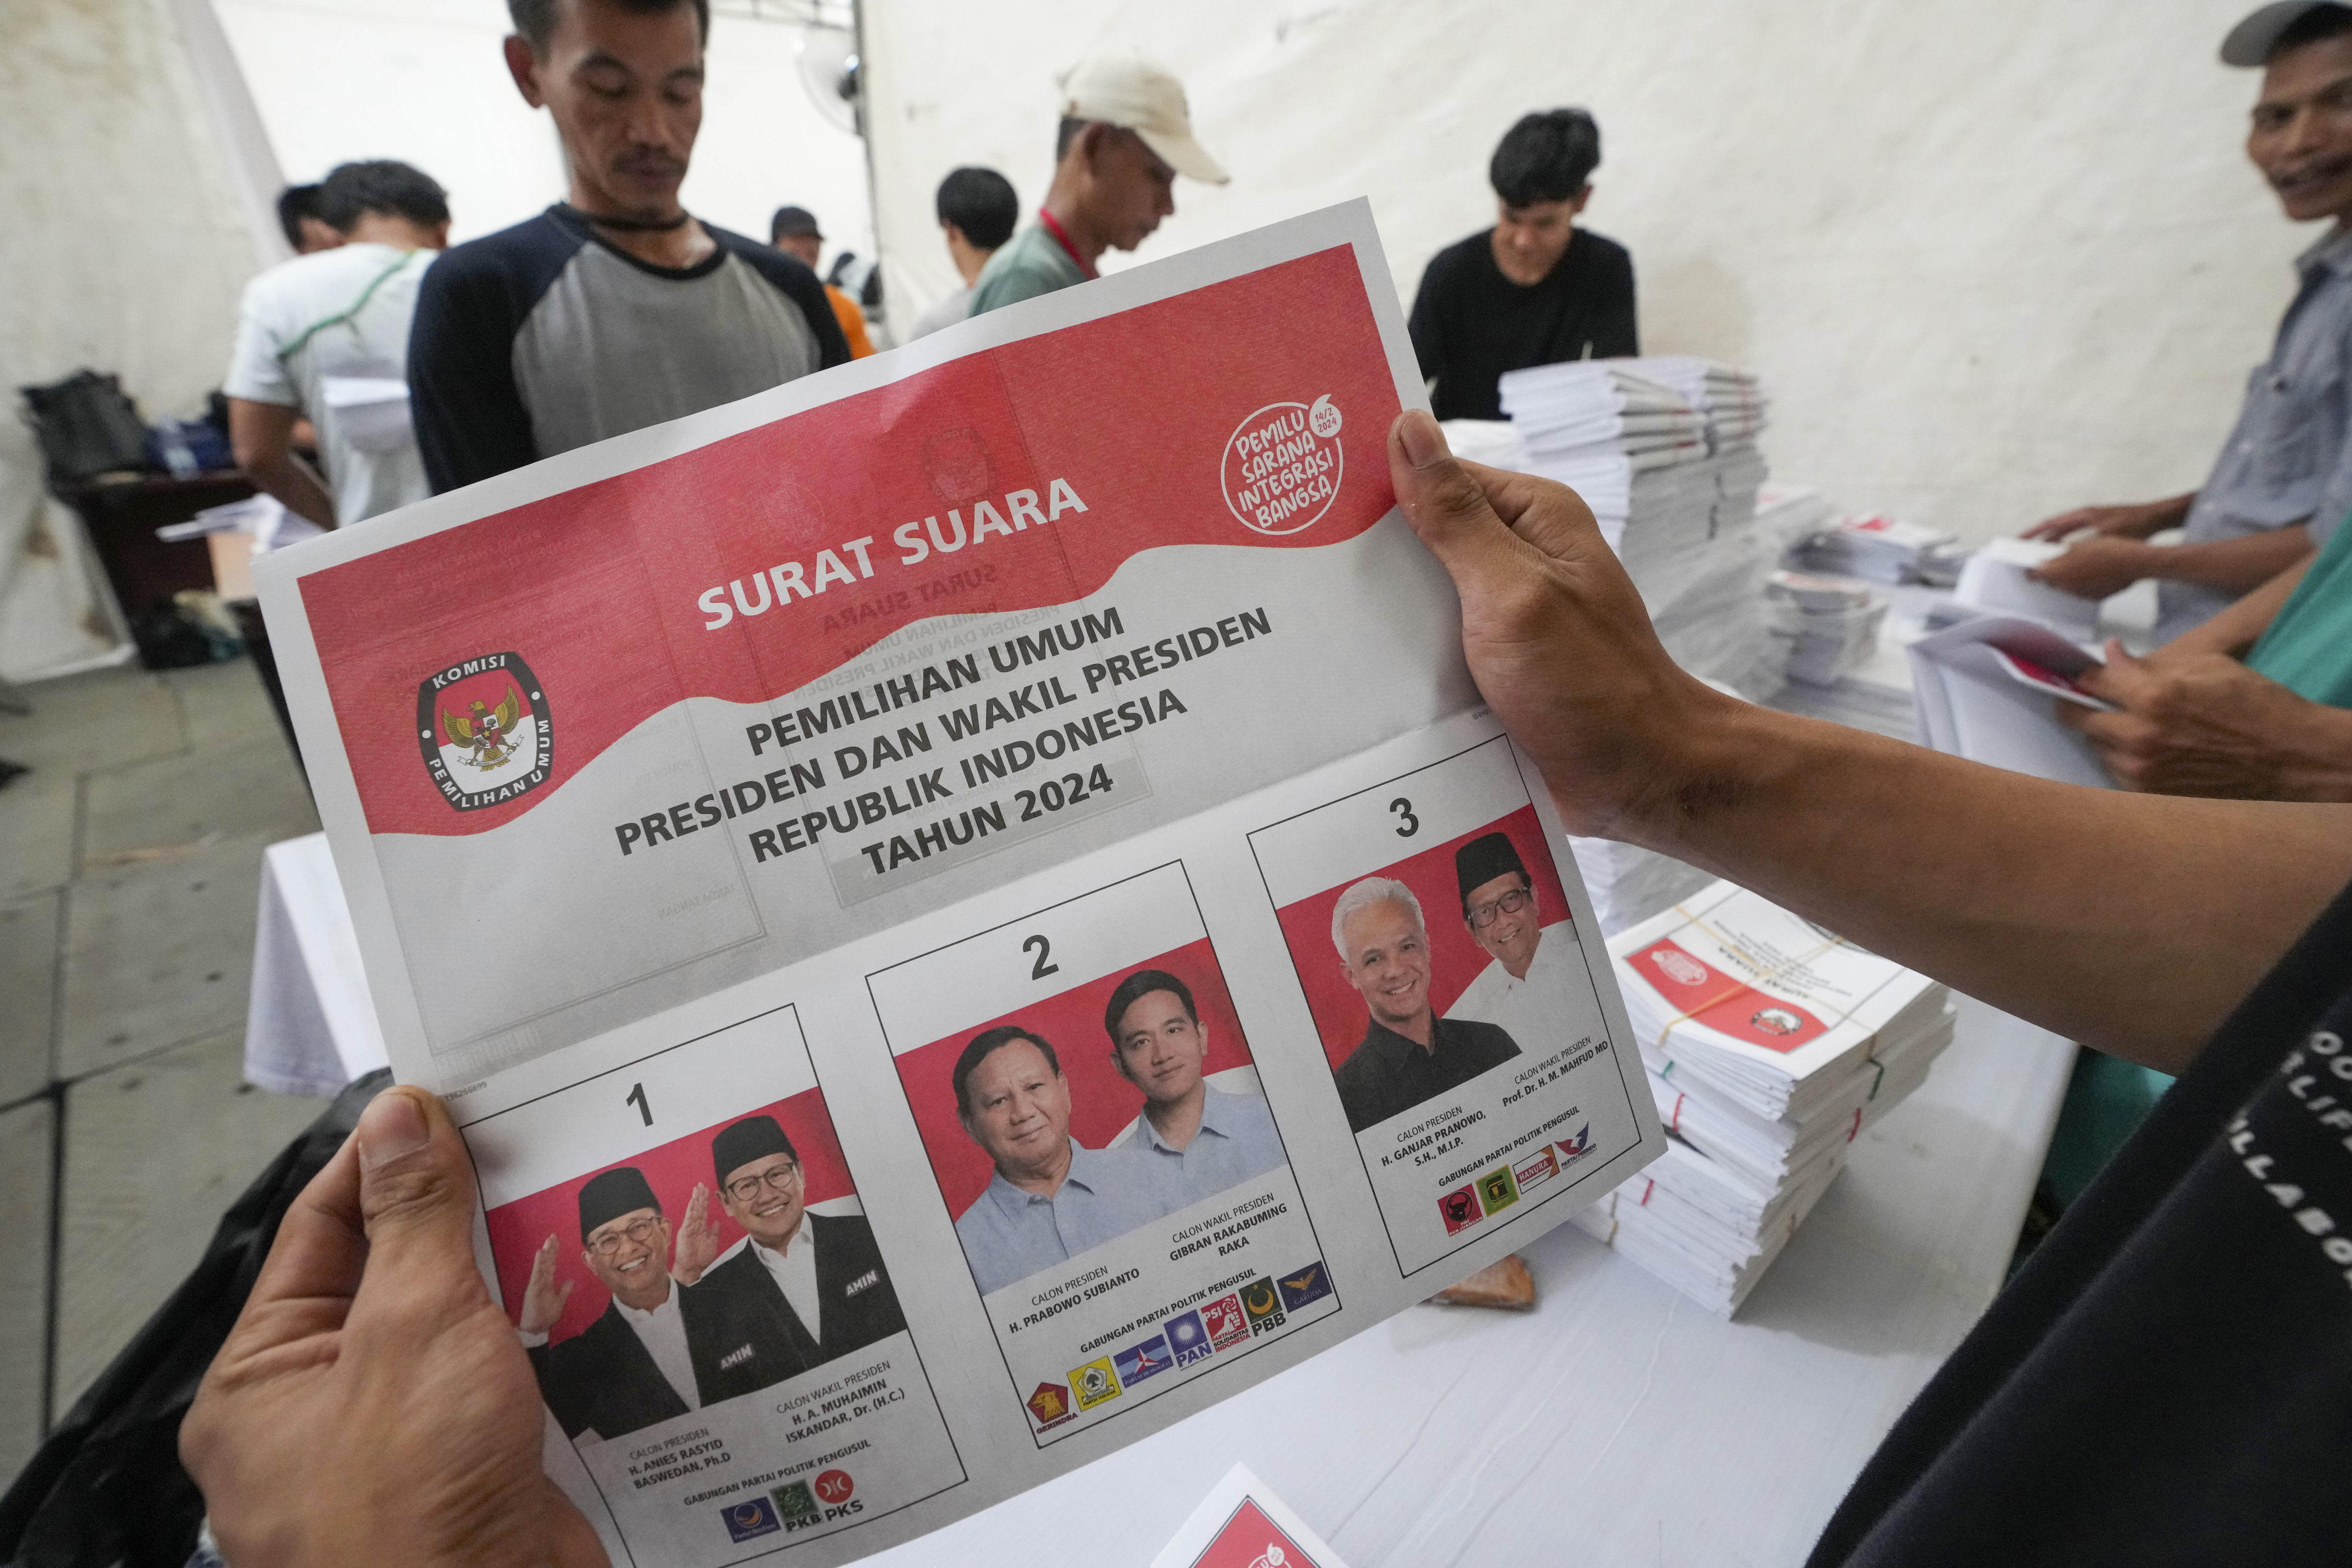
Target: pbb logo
[[1283, 466]]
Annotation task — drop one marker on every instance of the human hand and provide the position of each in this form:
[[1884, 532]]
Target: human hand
[[372, 1404], [698, 1238], [2135, 522], [1555, 632], [544, 1298], [2096, 568], [2203, 724]]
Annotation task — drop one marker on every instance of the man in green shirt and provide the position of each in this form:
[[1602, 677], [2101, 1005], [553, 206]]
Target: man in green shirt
[[1125, 136]]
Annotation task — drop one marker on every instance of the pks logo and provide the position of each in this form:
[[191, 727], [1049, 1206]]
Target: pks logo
[[1283, 466], [484, 728], [751, 1518]]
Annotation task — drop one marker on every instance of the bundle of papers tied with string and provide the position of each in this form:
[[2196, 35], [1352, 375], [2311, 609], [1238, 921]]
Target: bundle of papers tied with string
[[1770, 1043]]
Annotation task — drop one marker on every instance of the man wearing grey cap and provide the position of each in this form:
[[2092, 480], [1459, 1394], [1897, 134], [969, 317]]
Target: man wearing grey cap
[[2283, 480], [631, 1367], [797, 1290], [1125, 134], [1536, 990]]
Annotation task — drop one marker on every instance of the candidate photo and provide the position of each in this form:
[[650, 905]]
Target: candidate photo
[[1204, 1136], [713, 1275], [1408, 1054], [1536, 986]]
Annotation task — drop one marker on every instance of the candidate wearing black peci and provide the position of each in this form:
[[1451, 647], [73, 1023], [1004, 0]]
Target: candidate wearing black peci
[[631, 1367], [797, 1290]]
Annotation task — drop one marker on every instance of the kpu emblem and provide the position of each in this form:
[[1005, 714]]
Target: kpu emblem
[[484, 727]]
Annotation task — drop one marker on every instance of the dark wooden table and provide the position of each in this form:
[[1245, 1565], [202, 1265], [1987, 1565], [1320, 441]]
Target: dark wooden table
[[122, 517]]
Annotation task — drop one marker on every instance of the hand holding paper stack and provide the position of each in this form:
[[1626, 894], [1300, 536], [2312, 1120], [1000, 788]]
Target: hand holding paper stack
[[1989, 690], [1770, 1043]]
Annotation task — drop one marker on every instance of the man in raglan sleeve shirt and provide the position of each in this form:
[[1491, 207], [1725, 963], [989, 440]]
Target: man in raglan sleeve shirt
[[614, 309]]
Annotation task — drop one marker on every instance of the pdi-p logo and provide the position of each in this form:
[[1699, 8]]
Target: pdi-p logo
[[1283, 466]]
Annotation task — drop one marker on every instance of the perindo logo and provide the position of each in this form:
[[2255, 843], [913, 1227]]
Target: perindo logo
[[484, 728], [1283, 466]]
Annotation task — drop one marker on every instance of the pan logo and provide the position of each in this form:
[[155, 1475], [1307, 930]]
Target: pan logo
[[1283, 466], [484, 728]]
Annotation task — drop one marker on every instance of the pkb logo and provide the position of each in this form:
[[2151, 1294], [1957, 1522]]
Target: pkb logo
[[484, 728]]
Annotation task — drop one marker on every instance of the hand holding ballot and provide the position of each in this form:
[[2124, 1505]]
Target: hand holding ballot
[[2205, 724], [371, 1403]]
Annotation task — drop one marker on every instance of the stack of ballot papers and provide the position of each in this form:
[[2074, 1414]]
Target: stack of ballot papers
[[1628, 884], [1664, 451], [1994, 582], [1770, 1043], [1989, 690], [1884, 551], [1830, 624]]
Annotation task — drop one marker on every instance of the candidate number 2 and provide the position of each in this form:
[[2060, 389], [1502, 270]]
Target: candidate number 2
[[1411, 823], [637, 1099], [1044, 951]]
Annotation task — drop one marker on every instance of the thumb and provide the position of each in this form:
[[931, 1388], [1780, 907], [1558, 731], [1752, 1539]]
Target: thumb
[[1445, 502], [417, 1199]]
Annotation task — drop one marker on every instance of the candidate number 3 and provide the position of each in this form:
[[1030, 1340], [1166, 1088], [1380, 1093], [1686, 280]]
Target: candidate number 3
[[1411, 823], [637, 1099]]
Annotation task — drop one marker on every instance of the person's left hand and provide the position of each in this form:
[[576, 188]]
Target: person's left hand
[[2205, 724], [2097, 568], [372, 1403]]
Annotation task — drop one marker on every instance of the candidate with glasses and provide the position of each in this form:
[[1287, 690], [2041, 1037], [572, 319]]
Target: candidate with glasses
[[631, 1367], [1537, 989], [795, 1291]]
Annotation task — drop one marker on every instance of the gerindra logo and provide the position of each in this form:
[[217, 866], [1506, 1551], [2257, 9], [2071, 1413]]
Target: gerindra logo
[[484, 728], [1283, 466]]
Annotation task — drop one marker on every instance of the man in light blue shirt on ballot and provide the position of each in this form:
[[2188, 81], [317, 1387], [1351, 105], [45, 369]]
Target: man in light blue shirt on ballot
[[1051, 1198], [1202, 1140]]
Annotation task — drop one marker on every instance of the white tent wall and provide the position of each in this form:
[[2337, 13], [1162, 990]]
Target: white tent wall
[[426, 81], [1992, 258], [129, 252]]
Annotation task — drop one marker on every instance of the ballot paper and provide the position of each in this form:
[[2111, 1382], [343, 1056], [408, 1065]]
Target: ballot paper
[[1002, 817], [1242, 1525], [1882, 550], [1770, 1043], [1994, 581], [1989, 690]]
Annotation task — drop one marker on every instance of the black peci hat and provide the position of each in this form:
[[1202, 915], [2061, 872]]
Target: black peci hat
[[753, 1138], [609, 1195], [1486, 857]]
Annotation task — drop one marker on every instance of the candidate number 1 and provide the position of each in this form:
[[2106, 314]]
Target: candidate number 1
[[637, 1099]]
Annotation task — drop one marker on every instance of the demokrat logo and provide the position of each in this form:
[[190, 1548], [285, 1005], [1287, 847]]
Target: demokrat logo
[[1283, 466], [484, 728]]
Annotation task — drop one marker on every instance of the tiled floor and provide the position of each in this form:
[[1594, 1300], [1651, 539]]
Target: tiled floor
[[130, 872]]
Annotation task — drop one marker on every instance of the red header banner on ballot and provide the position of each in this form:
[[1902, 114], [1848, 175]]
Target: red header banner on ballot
[[1001, 481]]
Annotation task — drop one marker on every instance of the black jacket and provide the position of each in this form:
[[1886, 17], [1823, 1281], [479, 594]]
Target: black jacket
[[604, 1379], [1387, 1075], [745, 1335]]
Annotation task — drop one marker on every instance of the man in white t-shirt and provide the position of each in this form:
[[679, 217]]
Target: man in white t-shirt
[[325, 337], [1537, 989]]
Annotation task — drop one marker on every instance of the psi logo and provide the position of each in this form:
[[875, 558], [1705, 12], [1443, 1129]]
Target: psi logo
[[484, 728], [1283, 466]]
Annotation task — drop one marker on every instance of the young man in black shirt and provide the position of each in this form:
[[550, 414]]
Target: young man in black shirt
[[1533, 289], [614, 309]]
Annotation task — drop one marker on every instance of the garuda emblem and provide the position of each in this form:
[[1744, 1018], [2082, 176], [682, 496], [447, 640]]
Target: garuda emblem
[[484, 733]]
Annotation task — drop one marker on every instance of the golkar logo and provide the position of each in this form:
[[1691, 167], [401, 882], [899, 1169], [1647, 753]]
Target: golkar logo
[[1283, 466], [484, 728]]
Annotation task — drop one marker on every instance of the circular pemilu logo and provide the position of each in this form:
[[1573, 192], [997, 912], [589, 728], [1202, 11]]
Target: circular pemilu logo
[[1777, 1021], [1283, 466], [485, 731]]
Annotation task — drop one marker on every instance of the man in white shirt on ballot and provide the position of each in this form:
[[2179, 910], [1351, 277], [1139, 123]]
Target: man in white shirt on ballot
[[1537, 988], [1202, 1139]]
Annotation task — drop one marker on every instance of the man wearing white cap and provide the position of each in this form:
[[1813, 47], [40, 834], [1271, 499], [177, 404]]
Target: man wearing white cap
[[1125, 136]]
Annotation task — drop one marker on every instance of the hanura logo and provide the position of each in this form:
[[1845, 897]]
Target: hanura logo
[[1283, 466], [484, 728]]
